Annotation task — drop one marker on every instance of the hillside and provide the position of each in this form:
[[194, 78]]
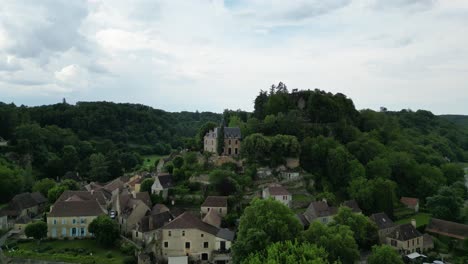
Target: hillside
[[461, 120]]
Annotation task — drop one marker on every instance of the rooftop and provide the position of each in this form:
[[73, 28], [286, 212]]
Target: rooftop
[[382, 220], [278, 190], [447, 228], [409, 201], [76, 208], [353, 205], [405, 232], [215, 201]]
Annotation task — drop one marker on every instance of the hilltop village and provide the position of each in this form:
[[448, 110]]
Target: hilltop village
[[257, 190]]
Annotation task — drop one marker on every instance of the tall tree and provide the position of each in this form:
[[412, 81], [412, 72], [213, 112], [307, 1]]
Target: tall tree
[[105, 230], [384, 255], [220, 143], [365, 231], [99, 170], [36, 230]]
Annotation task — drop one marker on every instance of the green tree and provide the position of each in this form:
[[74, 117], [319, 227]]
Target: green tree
[[178, 162], [384, 255], [146, 185], [289, 253], [430, 180], [36, 230], [365, 231], [70, 158], [43, 186], [452, 172], [70, 185], [256, 148], [54, 193], [337, 240], [378, 167], [220, 139], [105, 230], [264, 222], [98, 171], [446, 204], [284, 146]]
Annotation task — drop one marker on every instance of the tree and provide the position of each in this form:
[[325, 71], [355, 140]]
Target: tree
[[378, 167], [446, 204], [70, 185], [430, 180], [70, 158], [337, 240], [264, 222], [146, 185], [178, 162], [105, 230], [98, 171], [220, 139], [452, 172], [54, 193], [224, 181], [375, 195], [36, 230], [365, 231], [284, 146], [256, 148], [289, 253], [43, 186], [384, 255]]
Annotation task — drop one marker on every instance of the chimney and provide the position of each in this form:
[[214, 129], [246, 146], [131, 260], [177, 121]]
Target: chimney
[[413, 222]]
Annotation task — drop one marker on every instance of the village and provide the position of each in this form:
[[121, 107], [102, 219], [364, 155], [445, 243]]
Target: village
[[199, 226]]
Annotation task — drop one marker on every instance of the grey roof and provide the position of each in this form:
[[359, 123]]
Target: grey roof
[[84, 195], [404, 232], [159, 208], [27, 200], [165, 180], [76, 208], [229, 132], [278, 191], [154, 222], [226, 234], [353, 205], [319, 209], [215, 201], [382, 220], [304, 222], [447, 228]]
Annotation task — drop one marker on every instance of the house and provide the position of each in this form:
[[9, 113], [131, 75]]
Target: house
[[3, 142], [289, 175], [216, 203], [213, 218], [148, 228], [353, 205], [321, 212], [162, 184], [278, 193], [406, 239], [187, 235], [384, 225], [232, 141], [411, 203], [428, 242], [131, 208], [178, 260], [70, 217], [22, 206], [448, 229], [85, 196]]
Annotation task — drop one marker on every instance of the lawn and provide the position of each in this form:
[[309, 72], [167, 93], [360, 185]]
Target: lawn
[[149, 160], [74, 251], [421, 219]]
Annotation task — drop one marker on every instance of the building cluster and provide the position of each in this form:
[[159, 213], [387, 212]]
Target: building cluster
[[232, 141]]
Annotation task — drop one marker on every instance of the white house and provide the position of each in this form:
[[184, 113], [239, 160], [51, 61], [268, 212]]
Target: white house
[[278, 193]]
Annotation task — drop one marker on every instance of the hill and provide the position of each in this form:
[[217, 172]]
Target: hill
[[461, 120]]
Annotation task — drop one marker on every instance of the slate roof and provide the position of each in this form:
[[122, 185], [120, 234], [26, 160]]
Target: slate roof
[[302, 220], [145, 197], [76, 208], [215, 201], [319, 209], [447, 228], [165, 180], [353, 205], [154, 222], [409, 201], [229, 132], [159, 208], [189, 221], [382, 220], [26, 200], [226, 234], [278, 191], [114, 184], [83, 195], [405, 232]]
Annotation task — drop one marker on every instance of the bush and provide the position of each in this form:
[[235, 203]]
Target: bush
[[130, 260], [109, 255], [127, 248]]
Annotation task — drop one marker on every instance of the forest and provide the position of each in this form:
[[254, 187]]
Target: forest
[[99, 140]]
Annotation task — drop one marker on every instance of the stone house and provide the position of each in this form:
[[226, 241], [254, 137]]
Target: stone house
[[411, 203], [321, 212], [162, 184], [232, 141], [187, 235], [278, 193], [289, 175], [384, 225], [131, 208], [406, 239], [23, 206], [71, 217], [353, 205], [216, 203], [148, 229]]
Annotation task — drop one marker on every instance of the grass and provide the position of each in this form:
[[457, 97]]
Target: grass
[[73, 251], [150, 159], [302, 198], [421, 219], [3, 205]]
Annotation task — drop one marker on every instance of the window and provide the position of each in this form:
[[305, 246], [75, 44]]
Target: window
[[55, 221], [285, 197], [236, 141], [413, 242], [220, 210], [187, 245], [169, 233], [166, 244], [205, 244], [74, 232], [235, 151], [393, 243], [64, 221], [229, 142], [202, 235], [324, 220], [74, 221], [183, 233], [204, 256], [417, 242], [208, 209], [408, 243], [82, 220], [82, 231]]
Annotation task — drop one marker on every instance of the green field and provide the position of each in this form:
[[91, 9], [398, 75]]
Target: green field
[[421, 219], [149, 160], [73, 251]]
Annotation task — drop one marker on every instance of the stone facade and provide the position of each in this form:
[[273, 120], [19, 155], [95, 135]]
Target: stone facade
[[232, 141], [69, 227]]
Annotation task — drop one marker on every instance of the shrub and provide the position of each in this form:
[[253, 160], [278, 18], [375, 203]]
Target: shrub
[[130, 260], [127, 248], [109, 255]]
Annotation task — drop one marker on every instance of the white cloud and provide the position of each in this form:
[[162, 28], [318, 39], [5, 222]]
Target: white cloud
[[172, 54]]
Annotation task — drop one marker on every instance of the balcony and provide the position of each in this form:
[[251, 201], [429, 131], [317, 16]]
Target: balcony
[[221, 255]]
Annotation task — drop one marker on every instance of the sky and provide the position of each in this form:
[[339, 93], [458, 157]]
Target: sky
[[181, 55]]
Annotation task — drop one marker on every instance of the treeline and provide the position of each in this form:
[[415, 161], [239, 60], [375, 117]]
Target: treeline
[[98, 140], [373, 157]]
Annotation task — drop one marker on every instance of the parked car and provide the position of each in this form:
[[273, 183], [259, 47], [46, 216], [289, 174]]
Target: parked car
[[112, 214]]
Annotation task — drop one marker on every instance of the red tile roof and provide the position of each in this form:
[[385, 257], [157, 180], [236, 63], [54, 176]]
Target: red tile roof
[[278, 190], [409, 201]]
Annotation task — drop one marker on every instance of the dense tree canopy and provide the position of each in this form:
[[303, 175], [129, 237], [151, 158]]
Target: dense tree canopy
[[384, 255], [36, 230], [105, 230]]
